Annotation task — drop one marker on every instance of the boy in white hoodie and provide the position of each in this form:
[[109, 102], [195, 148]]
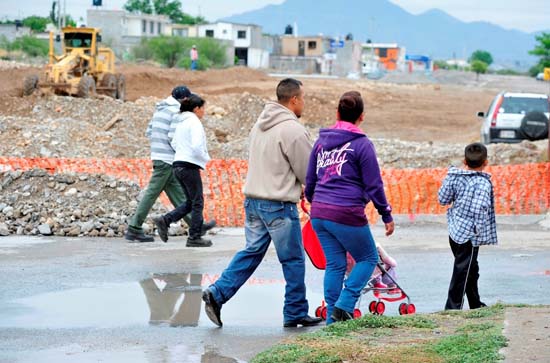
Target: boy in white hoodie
[[189, 141]]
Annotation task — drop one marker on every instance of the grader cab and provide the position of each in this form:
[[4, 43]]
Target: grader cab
[[83, 69]]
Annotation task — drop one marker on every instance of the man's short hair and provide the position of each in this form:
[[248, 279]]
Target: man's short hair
[[475, 155], [288, 88]]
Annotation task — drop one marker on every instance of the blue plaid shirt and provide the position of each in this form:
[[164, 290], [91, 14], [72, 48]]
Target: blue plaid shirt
[[471, 216]]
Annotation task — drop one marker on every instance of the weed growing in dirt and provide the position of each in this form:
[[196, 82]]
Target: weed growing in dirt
[[292, 353]]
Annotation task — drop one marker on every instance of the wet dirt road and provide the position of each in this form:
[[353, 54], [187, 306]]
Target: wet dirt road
[[90, 300]]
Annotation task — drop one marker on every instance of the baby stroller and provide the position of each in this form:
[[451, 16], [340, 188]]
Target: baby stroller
[[394, 293]]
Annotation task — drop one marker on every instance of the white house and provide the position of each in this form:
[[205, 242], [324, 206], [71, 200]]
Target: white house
[[247, 39], [122, 29]]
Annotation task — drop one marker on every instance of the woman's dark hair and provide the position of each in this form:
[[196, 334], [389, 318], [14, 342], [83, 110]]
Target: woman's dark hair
[[350, 106], [189, 103]]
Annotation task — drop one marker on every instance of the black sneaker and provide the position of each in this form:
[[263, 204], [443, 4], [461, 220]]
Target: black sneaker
[[198, 242], [162, 228], [137, 237], [207, 226], [340, 315], [305, 321], [211, 307]]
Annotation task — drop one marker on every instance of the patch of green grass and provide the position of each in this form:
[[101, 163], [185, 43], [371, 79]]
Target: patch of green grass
[[292, 353], [475, 343], [380, 321], [486, 312]]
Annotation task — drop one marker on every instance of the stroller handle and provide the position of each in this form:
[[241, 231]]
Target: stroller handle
[[303, 205]]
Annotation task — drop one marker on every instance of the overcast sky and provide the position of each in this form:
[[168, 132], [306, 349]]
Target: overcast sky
[[526, 15]]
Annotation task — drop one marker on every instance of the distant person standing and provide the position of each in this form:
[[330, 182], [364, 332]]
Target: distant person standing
[[194, 54]]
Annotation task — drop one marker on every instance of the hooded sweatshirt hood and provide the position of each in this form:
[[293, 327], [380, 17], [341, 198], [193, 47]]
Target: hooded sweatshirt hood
[[330, 139], [168, 104], [273, 114]]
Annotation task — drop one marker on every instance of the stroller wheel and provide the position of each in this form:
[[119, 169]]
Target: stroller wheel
[[411, 309], [402, 309], [357, 313], [318, 311], [324, 313], [380, 308], [372, 307]]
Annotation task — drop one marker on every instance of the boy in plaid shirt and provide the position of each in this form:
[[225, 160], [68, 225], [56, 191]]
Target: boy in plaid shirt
[[471, 220]]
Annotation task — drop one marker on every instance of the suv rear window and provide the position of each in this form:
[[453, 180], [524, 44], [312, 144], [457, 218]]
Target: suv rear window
[[524, 105]]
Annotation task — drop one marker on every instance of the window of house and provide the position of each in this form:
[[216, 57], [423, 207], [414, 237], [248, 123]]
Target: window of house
[[382, 52], [241, 34], [312, 45], [144, 26], [224, 31], [210, 33], [159, 28], [151, 27]]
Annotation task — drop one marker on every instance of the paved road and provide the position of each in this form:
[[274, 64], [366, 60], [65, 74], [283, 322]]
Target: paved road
[[89, 300]]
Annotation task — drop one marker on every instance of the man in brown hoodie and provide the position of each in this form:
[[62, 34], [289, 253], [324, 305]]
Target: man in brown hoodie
[[278, 158]]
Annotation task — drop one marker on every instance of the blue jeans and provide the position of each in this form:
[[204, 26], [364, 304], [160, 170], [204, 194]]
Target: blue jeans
[[268, 221], [337, 239]]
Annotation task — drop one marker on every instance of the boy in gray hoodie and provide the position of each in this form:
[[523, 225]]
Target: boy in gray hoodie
[[472, 223]]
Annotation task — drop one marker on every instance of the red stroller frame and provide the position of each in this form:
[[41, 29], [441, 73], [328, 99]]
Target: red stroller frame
[[314, 251]]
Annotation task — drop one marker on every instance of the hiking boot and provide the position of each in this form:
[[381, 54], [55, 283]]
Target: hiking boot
[[137, 237], [207, 226], [162, 228], [211, 307], [340, 315], [198, 242]]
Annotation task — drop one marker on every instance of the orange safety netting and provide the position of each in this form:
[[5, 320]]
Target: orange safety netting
[[519, 189]]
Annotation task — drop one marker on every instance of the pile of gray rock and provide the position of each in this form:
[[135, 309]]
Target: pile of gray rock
[[35, 202]]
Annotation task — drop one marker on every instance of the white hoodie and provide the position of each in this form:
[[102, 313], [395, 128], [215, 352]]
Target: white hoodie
[[189, 140]]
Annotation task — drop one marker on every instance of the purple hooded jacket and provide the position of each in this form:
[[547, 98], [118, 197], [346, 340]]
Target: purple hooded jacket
[[343, 176]]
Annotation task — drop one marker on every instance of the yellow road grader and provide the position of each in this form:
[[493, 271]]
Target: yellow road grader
[[83, 69]]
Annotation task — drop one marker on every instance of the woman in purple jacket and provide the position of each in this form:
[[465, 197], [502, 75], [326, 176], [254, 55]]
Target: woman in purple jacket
[[343, 176]]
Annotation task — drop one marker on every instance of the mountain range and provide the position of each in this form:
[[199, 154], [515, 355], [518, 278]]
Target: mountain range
[[433, 33]]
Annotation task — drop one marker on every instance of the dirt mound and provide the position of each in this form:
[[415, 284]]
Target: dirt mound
[[159, 82]]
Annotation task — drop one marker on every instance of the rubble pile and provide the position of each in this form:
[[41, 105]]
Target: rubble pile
[[35, 202]]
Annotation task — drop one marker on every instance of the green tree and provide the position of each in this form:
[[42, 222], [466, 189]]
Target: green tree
[[170, 8], [143, 6], [482, 55], [36, 23], [53, 13], [542, 50], [479, 67], [30, 45]]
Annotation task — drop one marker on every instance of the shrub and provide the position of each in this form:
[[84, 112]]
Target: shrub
[[174, 51], [31, 46]]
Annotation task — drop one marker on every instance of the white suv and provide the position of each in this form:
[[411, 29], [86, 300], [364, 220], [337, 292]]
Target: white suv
[[513, 117]]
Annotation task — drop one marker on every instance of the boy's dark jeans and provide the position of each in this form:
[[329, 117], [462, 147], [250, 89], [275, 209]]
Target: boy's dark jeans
[[465, 276], [191, 182]]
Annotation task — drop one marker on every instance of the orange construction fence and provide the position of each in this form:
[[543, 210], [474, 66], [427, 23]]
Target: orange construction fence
[[519, 189]]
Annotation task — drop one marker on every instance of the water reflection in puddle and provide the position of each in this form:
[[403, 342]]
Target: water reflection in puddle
[[162, 300]]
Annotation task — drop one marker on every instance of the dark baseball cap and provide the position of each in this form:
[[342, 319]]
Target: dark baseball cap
[[181, 92]]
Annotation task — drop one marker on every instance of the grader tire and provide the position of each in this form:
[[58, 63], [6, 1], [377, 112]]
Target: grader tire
[[86, 87], [121, 87], [109, 80], [30, 84]]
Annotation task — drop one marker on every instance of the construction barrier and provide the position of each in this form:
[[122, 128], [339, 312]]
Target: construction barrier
[[519, 189]]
